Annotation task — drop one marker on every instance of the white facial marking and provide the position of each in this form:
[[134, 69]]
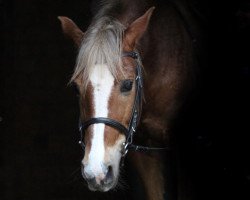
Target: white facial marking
[[102, 81]]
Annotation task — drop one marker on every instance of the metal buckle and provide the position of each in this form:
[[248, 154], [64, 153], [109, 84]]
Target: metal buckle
[[82, 144], [125, 149]]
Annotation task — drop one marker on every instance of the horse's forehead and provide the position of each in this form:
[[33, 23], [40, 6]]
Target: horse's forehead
[[102, 82], [100, 74]]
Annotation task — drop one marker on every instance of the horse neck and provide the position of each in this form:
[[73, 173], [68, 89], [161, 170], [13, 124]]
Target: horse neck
[[126, 11], [132, 9]]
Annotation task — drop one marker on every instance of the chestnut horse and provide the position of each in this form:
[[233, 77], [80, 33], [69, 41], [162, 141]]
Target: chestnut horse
[[108, 75]]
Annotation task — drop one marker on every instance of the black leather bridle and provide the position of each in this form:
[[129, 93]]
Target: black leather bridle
[[135, 117]]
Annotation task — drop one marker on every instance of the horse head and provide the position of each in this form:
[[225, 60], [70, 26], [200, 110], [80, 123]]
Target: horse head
[[106, 81]]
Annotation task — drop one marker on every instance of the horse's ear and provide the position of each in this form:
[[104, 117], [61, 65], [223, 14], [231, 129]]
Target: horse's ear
[[136, 29], [71, 30]]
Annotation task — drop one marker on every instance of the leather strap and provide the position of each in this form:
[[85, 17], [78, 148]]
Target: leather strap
[[144, 149], [106, 121]]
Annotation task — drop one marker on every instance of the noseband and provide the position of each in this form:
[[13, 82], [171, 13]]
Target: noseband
[[135, 116]]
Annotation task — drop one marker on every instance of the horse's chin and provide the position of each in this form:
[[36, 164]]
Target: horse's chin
[[103, 188]]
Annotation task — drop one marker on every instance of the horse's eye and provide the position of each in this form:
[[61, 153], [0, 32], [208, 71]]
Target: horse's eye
[[126, 85]]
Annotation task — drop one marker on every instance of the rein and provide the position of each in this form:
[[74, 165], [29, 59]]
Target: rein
[[134, 120]]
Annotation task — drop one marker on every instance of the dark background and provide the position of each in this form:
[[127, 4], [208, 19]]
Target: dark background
[[39, 112]]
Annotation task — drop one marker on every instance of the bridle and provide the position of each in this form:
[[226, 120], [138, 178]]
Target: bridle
[[135, 116]]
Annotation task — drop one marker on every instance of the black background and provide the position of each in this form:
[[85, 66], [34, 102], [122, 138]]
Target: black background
[[39, 112]]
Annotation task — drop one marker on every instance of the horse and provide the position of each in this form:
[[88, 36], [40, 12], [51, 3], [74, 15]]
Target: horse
[[134, 70]]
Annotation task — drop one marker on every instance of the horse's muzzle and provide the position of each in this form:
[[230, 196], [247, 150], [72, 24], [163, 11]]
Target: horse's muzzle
[[102, 182]]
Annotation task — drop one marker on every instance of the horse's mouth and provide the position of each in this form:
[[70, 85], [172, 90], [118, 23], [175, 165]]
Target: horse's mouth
[[102, 187]]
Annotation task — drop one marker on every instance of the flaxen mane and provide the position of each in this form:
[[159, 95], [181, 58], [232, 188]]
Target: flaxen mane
[[102, 44]]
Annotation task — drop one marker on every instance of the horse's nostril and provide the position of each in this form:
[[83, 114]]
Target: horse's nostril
[[109, 175], [110, 171]]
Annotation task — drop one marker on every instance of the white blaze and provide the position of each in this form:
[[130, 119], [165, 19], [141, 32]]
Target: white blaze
[[102, 82]]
